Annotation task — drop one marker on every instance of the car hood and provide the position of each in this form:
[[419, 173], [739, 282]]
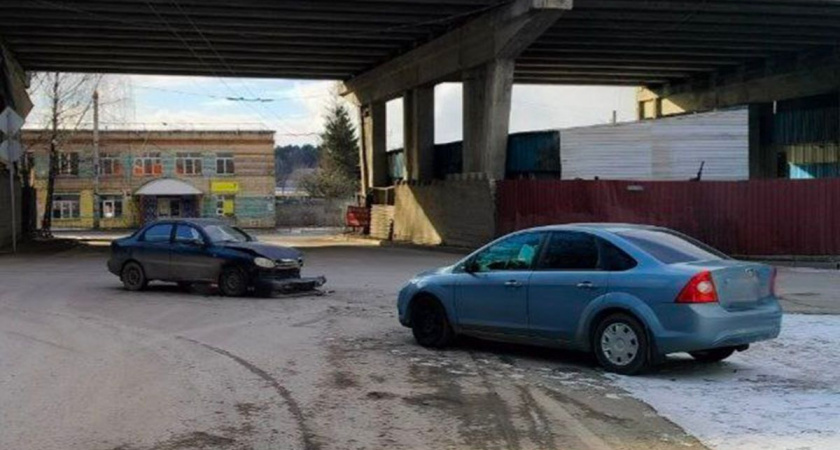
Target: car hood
[[437, 271], [269, 251]]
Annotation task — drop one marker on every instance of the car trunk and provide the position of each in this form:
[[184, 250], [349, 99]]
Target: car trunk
[[740, 285]]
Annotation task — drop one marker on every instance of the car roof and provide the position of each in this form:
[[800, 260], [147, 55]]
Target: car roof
[[603, 226], [193, 221]]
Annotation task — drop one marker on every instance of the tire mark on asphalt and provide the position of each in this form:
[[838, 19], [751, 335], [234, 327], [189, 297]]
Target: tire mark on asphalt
[[41, 341], [555, 409], [499, 407], [307, 437], [538, 421]]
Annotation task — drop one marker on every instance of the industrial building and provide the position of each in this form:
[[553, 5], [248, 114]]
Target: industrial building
[[147, 175]]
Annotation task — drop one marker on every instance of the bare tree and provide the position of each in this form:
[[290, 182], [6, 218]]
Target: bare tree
[[68, 99]]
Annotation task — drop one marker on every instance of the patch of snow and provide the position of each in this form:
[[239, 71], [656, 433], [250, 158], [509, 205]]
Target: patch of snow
[[780, 394]]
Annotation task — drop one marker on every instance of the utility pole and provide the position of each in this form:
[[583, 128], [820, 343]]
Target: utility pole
[[96, 206]]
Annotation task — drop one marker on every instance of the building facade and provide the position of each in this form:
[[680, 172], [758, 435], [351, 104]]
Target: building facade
[[147, 175]]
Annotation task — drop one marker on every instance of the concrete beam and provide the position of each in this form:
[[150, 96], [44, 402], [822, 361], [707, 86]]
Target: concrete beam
[[14, 83], [419, 129], [487, 100], [375, 145], [813, 77], [502, 33]]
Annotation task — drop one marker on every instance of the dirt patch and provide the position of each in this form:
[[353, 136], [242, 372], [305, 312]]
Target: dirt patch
[[378, 395], [194, 440], [344, 380], [249, 409]]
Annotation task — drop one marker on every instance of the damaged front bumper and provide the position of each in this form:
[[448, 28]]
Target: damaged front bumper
[[291, 285]]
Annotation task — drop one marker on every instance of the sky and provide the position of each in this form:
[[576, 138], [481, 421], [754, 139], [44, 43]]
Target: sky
[[295, 109]]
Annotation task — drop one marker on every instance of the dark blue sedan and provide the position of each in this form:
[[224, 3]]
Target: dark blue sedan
[[207, 251]]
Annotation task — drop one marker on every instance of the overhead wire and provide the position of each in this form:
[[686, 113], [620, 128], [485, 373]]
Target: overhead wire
[[221, 59], [199, 58]]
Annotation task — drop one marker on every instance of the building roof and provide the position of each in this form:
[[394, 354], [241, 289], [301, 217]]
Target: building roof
[[168, 186]]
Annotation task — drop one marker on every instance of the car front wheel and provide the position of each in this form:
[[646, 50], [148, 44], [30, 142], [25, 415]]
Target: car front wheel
[[429, 323], [133, 277], [621, 345], [714, 355], [233, 282]]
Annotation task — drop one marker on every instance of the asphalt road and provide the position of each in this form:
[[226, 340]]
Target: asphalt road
[[87, 365]]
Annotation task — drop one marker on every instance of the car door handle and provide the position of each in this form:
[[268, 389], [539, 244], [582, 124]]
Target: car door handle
[[586, 285], [513, 284]]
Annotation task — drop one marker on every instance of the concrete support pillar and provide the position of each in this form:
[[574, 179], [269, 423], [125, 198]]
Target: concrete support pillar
[[487, 100], [419, 130], [376, 159]]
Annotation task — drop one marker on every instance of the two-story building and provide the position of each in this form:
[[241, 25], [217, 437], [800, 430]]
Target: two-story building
[[146, 175]]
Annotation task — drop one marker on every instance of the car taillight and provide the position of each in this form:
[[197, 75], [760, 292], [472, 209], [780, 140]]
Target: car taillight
[[773, 275], [700, 289]]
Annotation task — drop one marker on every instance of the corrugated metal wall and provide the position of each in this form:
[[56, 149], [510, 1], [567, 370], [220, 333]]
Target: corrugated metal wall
[[760, 217], [535, 152], [664, 149], [807, 132]]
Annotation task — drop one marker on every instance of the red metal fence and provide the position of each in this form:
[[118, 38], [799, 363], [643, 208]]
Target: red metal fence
[[772, 217]]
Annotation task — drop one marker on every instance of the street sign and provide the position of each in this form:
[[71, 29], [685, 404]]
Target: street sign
[[10, 150], [10, 124]]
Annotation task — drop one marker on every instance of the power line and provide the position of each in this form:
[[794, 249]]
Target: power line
[[222, 97], [219, 56], [195, 54]]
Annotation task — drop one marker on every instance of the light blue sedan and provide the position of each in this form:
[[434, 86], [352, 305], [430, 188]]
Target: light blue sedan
[[628, 293]]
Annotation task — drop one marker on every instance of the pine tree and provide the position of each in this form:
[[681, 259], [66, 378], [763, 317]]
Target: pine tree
[[339, 143], [338, 172]]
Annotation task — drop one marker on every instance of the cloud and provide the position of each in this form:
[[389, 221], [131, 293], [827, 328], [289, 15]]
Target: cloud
[[298, 109]]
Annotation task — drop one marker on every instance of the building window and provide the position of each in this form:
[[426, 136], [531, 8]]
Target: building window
[[224, 164], [188, 163], [148, 164], [110, 164], [65, 206], [111, 206], [225, 205], [68, 163]]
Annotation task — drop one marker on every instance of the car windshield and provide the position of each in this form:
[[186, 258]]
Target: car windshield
[[225, 233], [670, 247]]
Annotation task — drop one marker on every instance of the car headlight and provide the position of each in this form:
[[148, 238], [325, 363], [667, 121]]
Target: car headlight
[[264, 262]]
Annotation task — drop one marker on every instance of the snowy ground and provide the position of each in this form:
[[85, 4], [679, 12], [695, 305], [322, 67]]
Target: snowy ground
[[782, 394]]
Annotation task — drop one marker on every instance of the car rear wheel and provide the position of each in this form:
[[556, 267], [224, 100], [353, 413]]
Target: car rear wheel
[[233, 282], [621, 345], [429, 323], [714, 355], [133, 277]]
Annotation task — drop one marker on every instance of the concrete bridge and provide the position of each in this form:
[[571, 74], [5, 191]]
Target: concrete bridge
[[687, 55]]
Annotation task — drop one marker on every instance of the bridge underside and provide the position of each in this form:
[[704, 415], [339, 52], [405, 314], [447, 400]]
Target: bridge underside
[[690, 55], [618, 42]]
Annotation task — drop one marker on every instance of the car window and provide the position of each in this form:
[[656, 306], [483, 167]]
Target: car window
[[158, 233], [514, 253], [570, 250], [186, 233], [615, 259], [225, 233], [671, 248]]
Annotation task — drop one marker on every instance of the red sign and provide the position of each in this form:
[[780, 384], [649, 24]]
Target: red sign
[[357, 217]]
